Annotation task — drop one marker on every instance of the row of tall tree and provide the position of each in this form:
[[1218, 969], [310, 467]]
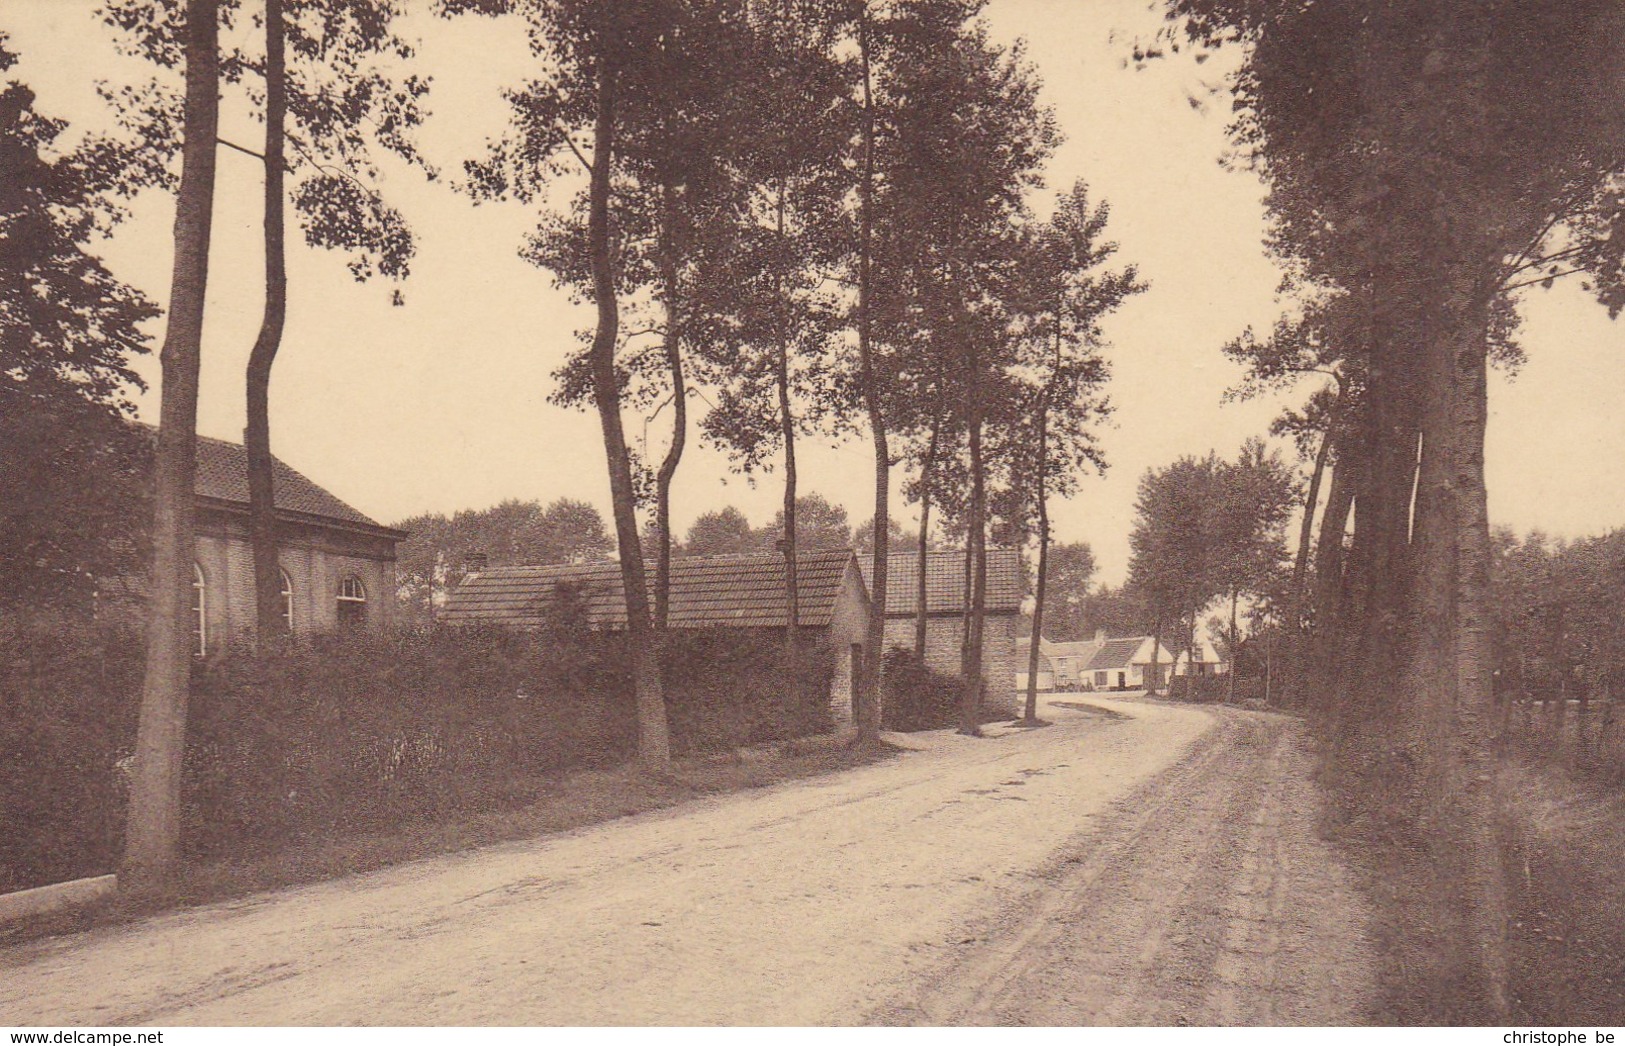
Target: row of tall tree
[[818, 210], [313, 75], [1426, 161]]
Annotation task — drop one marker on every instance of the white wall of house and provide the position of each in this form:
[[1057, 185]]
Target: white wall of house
[[1207, 663], [848, 628]]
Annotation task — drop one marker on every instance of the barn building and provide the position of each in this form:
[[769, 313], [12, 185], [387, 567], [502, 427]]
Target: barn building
[[739, 591], [946, 598]]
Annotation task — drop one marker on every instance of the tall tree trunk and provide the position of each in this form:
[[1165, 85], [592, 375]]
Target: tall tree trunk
[[1475, 720], [653, 748], [1449, 659], [869, 692], [152, 835], [1297, 605], [1380, 562], [1235, 649], [1306, 531], [268, 604], [787, 433], [679, 401], [971, 696], [965, 605], [1031, 711], [1330, 591], [1156, 655], [927, 474]]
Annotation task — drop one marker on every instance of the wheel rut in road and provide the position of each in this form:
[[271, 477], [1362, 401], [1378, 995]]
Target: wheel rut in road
[[1203, 897]]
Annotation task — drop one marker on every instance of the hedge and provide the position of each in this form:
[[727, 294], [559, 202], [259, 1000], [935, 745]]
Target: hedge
[[316, 735]]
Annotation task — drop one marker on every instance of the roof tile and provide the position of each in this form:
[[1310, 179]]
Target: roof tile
[[945, 581], [222, 472], [745, 590]]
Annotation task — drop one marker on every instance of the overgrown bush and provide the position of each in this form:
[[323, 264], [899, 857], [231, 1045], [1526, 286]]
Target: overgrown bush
[[726, 688], [355, 729], [917, 697], [1202, 689], [68, 697]]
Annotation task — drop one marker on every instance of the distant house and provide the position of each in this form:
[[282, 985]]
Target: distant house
[[945, 602], [337, 565], [743, 591], [1126, 664], [1205, 660], [1046, 667], [1060, 665]]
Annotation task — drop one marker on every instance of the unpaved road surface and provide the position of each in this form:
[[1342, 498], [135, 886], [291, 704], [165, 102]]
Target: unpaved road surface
[[1135, 863]]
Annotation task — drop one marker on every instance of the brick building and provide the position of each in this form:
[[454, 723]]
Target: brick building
[[741, 591], [338, 566], [946, 598]]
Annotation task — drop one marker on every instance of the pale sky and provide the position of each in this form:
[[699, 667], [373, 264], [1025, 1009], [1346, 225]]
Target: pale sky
[[442, 405]]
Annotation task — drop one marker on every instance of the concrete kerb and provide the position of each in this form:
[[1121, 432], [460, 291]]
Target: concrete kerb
[[55, 897]]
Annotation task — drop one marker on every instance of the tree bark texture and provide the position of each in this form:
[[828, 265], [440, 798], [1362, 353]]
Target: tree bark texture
[[1306, 530], [927, 474], [679, 400], [1030, 713], [268, 603], [869, 694], [152, 834], [653, 747], [787, 433], [971, 697], [1330, 592], [1379, 564]]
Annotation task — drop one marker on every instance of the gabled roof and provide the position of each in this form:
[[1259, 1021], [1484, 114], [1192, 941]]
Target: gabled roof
[[1083, 649], [741, 591], [1116, 653], [222, 473], [945, 581]]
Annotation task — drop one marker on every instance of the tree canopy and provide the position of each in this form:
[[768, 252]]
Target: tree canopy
[[74, 470]]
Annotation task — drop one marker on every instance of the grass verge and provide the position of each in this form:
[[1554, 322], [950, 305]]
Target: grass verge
[[544, 805], [1567, 879], [1377, 818], [1563, 855]]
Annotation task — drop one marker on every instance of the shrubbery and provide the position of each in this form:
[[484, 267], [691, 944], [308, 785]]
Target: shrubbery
[[1203, 689], [726, 688], [68, 696], [917, 696], [315, 735], [356, 729]]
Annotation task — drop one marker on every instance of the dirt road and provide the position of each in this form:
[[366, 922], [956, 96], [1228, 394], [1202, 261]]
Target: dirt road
[[1133, 863]]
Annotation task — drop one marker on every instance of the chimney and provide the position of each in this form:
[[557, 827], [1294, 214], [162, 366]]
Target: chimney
[[1100, 635], [474, 562]]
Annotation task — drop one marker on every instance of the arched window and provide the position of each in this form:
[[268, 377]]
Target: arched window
[[287, 598], [200, 618], [352, 601]]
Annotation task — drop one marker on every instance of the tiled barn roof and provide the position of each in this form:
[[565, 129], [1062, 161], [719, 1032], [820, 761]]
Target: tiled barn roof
[[945, 581], [222, 473], [743, 591]]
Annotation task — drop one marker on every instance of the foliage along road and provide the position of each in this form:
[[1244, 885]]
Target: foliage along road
[[1135, 863]]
